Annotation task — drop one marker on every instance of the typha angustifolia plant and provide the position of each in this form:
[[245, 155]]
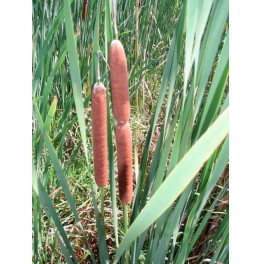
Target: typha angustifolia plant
[[121, 111]]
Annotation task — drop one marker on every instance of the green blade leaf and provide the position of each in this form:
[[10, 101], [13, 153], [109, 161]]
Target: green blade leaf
[[75, 72]]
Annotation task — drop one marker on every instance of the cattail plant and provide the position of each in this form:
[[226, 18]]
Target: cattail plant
[[99, 134], [121, 111]]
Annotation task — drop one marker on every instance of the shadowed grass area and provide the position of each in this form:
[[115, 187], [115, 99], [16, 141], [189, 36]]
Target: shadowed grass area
[[178, 62]]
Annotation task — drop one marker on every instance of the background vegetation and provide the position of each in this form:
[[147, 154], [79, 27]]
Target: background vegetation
[[177, 53]]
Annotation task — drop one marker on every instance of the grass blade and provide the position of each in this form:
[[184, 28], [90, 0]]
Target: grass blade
[[75, 72], [210, 43]]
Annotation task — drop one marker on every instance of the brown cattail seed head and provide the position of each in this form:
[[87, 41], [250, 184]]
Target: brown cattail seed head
[[99, 134], [119, 82], [124, 156]]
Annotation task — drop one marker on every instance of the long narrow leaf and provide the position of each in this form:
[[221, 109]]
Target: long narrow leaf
[[75, 73]]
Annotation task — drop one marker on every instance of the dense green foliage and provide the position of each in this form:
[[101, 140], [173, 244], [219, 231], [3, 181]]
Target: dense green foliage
[[177, 53]]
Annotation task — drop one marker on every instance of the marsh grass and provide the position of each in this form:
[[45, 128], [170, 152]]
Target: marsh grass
[[178, 78]]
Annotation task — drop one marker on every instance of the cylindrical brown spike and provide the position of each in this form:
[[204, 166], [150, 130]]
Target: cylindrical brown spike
[[99, 134], [84, 9], [124, 156], [119, 82]]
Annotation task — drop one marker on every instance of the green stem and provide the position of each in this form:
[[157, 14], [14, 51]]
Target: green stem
[[125, 218], [126, 225], [102, 204], [137, 31], [137, 46], [114, 6], [136, 160]]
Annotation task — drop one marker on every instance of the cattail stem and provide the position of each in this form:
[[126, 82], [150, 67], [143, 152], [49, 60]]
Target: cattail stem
[[125, 218], [98, 70], [126, 226], [136, 158], [114, 6], [136, 166], [102, 204], [137, 46], [137, 31]]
